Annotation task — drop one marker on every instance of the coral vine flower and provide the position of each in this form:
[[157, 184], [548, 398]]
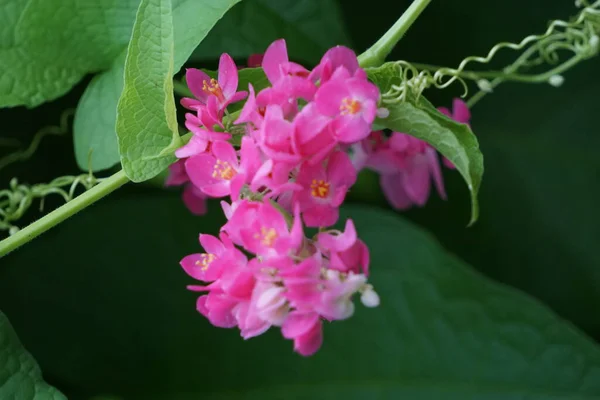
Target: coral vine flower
[[223, 89], [192, 197], [352, 101], [291, 168], [222, 173], [407, 165], [324, 189]]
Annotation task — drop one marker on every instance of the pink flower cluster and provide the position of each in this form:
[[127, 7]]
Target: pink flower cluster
[[284, 165], [407, 165], [286, 160]]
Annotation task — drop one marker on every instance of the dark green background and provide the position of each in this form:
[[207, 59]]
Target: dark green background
[[538, 231]]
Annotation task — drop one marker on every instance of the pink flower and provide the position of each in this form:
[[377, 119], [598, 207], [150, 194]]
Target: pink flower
[[221, 173], [268, 235], [313, 137], [275, 136], [207, 266], [192, 197], [336, 300], [333, 59], [305, 329], [352, 101], [288, 78], [223, 89], [324, 189], [345, 251], [407, 165]]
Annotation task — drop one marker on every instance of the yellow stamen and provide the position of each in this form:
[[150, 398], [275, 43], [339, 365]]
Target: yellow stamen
[[213, 87], [205, 260], [350, 106], [223, 170], [267, 236], [319, 188]]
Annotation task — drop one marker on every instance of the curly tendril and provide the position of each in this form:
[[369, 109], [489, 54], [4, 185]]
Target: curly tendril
[[579, 37], [18, 198], [22, 155]]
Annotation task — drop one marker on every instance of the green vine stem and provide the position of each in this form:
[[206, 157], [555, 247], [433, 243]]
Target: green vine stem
[[579, 37], [48, 221], [377, 53]]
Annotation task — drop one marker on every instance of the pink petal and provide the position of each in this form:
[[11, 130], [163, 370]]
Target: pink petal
[[298, 324], [200, 168], [228, 75], [194, 200], [436, 171], [196, 145], [195, 79], [321, 215], [329, 97], [340, 169], [275, 55], [417, 179], [460, 111], [224, 151], [392, 186], [309, 343]]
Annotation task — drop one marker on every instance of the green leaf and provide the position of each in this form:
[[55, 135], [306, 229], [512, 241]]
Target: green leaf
[[146, 120], [47, 46], [20, 376], [94, 125], [419, 118], [309, 27], [123, 318]]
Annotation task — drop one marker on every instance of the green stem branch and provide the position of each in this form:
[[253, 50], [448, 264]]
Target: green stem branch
[[376, 54], [40, 226]]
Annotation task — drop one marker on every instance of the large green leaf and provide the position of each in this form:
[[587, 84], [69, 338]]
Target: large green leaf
[[146, 120], [47, 46], [419, 118], [123, 323], [94, 126], [310, 27], [20, 376]]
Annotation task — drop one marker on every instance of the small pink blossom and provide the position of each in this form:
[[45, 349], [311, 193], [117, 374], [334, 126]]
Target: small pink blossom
[[352, 101], [324, 189], [223, 89]]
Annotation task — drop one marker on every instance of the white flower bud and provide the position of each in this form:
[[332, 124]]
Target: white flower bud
[[556, 80], [370, 298], [383, 112], [594, 41], [13, 230], [485, 85]]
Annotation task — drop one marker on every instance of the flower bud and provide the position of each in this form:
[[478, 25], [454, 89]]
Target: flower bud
[[370, 298], [485, 85], [556, 80]]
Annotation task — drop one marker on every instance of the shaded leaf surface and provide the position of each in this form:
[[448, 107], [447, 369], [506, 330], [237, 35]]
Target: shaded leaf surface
[[20, 376], [124, 319]]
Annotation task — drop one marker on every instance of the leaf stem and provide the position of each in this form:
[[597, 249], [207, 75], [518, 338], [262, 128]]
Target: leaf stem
[[40, 226], [375, 55]]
